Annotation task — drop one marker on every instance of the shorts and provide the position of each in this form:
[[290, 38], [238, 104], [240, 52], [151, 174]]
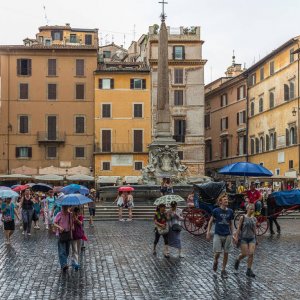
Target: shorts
[[248, 241], [221, 242], [10, 225], [92, 211]]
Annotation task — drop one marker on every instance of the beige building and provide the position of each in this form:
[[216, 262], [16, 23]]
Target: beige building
[[47, 102], [225, 120], [186, 91]]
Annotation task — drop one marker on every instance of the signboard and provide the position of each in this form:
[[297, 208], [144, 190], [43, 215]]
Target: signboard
[[65, 164], [281, 157], [121, 160]]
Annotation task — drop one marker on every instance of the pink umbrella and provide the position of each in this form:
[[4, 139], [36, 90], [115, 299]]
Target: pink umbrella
[[20, 188], [126, 189]]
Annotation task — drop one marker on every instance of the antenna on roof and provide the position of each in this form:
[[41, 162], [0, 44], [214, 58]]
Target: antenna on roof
[[112, 38], [233, 58], [124, 41], [45, 15], [134, 32]]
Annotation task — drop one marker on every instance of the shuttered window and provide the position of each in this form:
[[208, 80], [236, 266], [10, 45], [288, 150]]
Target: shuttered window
[[272, 67], [88, 39], [137, 84], [23, 152], [52, 91], [79, 152], [51, 67], [261, 105], [106, 111], [24, 91], [51, 128], [51, 152], [23, 124], [178, 97], [106, 165], [262, 73], [271, 99], [79, 67], [286, 92], [80, 91], [106, 83], [106, 140], [79, 124], [138, 165], [224, 101], [24, 67], [178, 76], [178, 53], [292, 90], [137, 140], [138, 111], [292, 57], [207, 120]]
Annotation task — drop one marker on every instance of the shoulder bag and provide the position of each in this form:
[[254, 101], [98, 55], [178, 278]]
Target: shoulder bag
[[162, 231], [66, 236]]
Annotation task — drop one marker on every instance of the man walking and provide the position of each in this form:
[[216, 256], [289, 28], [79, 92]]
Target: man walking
[[222, 216]]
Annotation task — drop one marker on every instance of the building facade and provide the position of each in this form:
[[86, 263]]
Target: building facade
[[225, 120], [186, 92], [122, 118], [47, 102], [273, 105]]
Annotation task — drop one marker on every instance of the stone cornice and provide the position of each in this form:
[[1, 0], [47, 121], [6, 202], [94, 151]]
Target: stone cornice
[[185, 62]]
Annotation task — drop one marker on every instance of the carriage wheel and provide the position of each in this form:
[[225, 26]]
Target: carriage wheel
[[237, 219], [196, 221], [262, 225]]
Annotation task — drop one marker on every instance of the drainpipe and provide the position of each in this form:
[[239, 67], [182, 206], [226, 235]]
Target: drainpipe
[[247, 120], [8, 117]]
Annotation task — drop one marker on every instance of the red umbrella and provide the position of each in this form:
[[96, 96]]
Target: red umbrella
[[20, 188], [126, 189]]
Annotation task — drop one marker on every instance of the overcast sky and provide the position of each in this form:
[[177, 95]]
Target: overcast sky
[[252, 28]]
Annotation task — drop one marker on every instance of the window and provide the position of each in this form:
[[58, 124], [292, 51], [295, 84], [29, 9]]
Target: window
[[23, 90], [286, 92], [271, 99], [178, 52], [224, 123], [51, 128], [106, 54], [48, 42], [241, 117], [23, 124], [293, 136], [261, 145], [106, 165], [242, 145], [138, 110], [106, 111], [178, 97], [57, 35], [137, 84], [80, 91], [79, 124], [79, 67], [52, 91], [291, 164], [252, 146], [261, 105], [106, 83], [241, 92], [208, 150], [277, 172], [267, 143], [23, 152], [106, 140], [292, 57], [138, 165], [88, 39], [24, 67], [272, 145], [51, 152], [272, 67], [179, 130], [79, 152], [224, 148], [292, 90], [51, 67], [252, 79], [207, 120], [180, 155], [252, 106], [178, 76], [262, 73], [137, 140], [256, 145], [223, 100], [73, 38]]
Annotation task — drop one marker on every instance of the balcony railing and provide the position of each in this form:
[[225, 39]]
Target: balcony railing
[[51, 137], [179, 138], [121, 148]]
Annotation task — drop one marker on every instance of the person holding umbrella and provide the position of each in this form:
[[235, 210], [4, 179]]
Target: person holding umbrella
[[8, 217]]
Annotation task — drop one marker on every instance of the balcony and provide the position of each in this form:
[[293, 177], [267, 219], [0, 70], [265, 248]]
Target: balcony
[[121, 148], [179, 138], [51, 137]]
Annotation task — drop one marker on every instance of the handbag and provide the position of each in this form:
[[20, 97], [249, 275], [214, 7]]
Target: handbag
[[176, 227], [162, 231], [66, 236]]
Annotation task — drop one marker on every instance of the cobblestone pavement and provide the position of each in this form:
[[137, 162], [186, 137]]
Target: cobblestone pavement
[[118, 264]]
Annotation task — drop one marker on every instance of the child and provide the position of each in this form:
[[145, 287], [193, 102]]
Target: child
[[37, 211]]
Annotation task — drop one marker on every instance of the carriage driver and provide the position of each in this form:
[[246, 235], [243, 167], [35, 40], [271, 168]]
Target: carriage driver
[[254, 196]]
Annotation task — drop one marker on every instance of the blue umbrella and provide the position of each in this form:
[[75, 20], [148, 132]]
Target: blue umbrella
[[245, 169], [5, 188], [4, 194], [73, 200], [75, 188]]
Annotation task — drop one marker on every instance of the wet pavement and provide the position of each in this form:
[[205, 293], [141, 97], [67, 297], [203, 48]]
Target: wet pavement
[[118, 264]]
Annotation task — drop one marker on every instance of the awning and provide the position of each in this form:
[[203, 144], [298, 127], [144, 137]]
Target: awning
[[15, 176], [49, 177], [107, 179], [80, 177]]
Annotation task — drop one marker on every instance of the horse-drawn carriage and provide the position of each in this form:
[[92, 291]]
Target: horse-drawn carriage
[[278, 204]]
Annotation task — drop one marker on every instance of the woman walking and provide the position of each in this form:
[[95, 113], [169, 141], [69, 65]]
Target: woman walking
[[246, 232], [27, 211], [78, 235], [161, 228], [8, 216], [120, 203], [49, 208], [174, 215], [63, 222], [129, 204], [37, 211]]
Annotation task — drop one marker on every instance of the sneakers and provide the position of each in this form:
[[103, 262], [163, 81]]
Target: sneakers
[[236, 264], [224, 274], [65, 268], [121, 220], [250, 273], [129, 220], [215, 266]]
